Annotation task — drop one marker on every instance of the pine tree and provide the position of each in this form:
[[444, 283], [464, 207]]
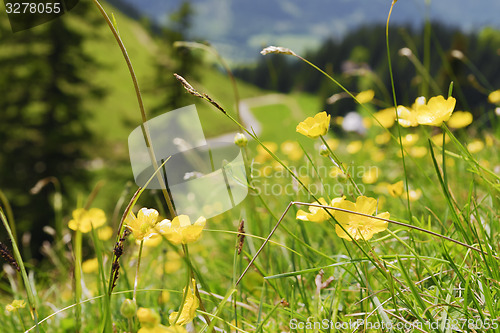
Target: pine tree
[[43, 121]]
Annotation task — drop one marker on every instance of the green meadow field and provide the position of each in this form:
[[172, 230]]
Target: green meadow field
[[381, 219]]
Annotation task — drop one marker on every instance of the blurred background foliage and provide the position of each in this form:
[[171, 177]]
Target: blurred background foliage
[[68, 105]]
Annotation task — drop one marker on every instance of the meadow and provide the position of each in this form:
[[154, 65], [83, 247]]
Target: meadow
[[384, 219]]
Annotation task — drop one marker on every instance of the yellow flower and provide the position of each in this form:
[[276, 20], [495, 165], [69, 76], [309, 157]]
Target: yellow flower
[[354, 146], [460, 119], [365, 96], [494, 97], [406, 117], [415, 194], [359, 227], [314, 127], [438, 139], [432, 113], [145, 225], [188, 311], [150, 323], [316, 214], [396, 189], [90, 266], [105, 233], [371, 175], [383, 138], [84, 220], [475, 146], [262, 154], [418, 151], [436, 111], [180, 230], [15, 305], [292, 150], [386, 117]]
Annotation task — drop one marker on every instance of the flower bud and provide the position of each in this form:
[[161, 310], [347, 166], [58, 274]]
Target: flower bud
[[240, 140], [323, 151], [128, 308]]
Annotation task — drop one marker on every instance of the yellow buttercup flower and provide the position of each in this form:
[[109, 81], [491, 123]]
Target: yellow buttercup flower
[[436, 111], [180, 230], [150, 323], [460, 119], [365, 96], [105, 233], [84, 220], [262, 154], [370, 176], [415, 194], [357, 226], [316, 214], [188, 311], [292, 150], [15, 305], [475, 146], [383, 138], [315, 126], [409, 139], [433, 113], [145, 225], [386, 117], [354, 146], [418, 151], [396, 189], [494, 97], [90, 266]]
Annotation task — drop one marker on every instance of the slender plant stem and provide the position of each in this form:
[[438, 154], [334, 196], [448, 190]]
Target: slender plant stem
[[78, 278], [396, 111], [134, 298], [22, 268], [144, 125]]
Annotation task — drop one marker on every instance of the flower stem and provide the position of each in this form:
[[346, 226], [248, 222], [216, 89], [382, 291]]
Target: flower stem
[[78, 278], [134, 298], [19, 259]]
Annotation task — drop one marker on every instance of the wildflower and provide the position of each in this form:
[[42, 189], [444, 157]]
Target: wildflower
[[396, 189], [145, 225], [415, 194], [371, 175], [383, 138], [386, 117], [436, 111], [354, 147], [357, 226], [188, 311], [315, 126], [84, 220], [277, 49], [262, 154], [292, 150], [150, 323], [240, 140], [105, 233], [180, 230], [365, 96], [15, 305], [90, 266], [318, 214], [418, 151], [409, 139], [353, 122], [494, 97], [475, 146], [438, 139], [460, 119], [128, 308], [432, 113]]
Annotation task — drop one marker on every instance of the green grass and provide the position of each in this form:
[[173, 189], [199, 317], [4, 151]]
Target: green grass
[[306, 272]]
